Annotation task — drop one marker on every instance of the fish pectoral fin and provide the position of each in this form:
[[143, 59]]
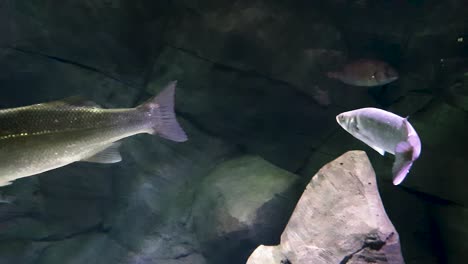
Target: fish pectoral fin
[[379, 150], [109, 155], [403, 161]]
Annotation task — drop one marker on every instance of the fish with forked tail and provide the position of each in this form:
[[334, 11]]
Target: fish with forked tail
[[384, 132], [365, 72], [42, 137]]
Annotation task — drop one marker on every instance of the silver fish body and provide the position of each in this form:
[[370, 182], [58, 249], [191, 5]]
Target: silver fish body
[[365, 72], [384, 132], [42, 137]]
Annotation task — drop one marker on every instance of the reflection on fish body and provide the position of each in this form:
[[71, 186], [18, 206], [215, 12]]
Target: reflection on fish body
[[42, 137], [384, 132], [365, 72]]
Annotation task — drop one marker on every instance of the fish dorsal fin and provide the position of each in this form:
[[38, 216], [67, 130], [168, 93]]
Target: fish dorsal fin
[[108, 155], [68, 102], [406, 126], [77, 101]]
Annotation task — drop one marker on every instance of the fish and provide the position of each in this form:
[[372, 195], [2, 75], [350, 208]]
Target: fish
[[6, 199], [46, 136], [384, 132], [365, 72]]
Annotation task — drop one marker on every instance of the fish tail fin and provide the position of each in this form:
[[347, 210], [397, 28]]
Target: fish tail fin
[[160, 111], [405, 153]]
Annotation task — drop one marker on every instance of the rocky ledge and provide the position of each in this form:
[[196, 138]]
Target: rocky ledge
[[339, 219]]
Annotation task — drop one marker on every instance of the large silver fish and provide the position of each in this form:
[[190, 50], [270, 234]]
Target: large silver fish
[[365, 72], [384, 132], [42, 137]]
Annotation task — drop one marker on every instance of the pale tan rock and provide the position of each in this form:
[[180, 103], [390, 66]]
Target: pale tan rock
[[339, 219], [267, 254]]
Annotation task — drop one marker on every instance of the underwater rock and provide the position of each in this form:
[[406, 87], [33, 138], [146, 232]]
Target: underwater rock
[[108, 36], [89, 248], [247, 110], [268, 255], [457, 94], [246, 36], [339, 219], [47, 78], [154, 190], [244, 199], [21, 251]]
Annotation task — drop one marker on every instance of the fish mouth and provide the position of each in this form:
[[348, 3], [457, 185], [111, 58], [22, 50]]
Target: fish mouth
[[340, 119]]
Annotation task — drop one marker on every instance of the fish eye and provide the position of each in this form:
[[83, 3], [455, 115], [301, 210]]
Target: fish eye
[[340, 118]]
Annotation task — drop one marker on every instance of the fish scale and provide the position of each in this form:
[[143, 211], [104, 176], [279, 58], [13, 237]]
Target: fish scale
[[41, 137]]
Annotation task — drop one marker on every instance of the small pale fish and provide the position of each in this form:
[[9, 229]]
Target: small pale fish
[[42, 137], [6, 199], [365, 72], [384, 132]]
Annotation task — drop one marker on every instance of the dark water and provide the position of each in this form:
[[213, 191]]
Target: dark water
[[254, 98]]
